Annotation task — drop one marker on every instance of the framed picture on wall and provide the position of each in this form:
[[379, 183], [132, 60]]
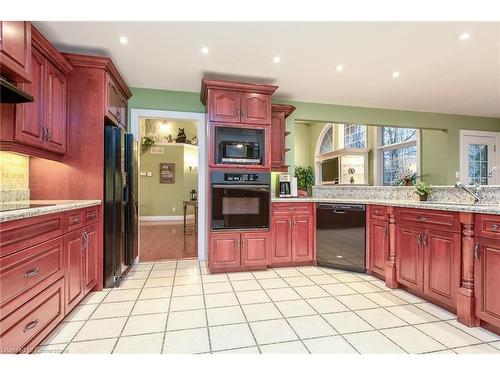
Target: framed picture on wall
[[167, 173]]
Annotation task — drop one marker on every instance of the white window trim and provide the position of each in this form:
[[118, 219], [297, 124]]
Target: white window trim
[[322, 134], [342, 132], [478, 133], [378, 168]]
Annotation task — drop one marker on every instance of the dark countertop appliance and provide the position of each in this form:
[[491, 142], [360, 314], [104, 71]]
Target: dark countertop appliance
[[340, 236], [240, 200]]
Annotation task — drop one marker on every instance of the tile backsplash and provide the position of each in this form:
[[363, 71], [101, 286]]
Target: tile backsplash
[[14, 176]]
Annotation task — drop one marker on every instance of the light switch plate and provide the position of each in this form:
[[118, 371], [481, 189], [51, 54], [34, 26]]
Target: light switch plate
[[143, 173], [149, 174]]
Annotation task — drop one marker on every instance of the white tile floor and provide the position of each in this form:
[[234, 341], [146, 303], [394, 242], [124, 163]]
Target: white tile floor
[[178, 307]]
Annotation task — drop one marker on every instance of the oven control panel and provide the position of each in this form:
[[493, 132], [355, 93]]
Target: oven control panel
[[243, 177]]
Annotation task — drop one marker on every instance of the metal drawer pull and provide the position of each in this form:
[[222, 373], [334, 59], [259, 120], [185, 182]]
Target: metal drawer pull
[[495, 226], [32, 272], [75, 220], [422, 218], [91, 215], [419, 239], [30, 326], [476, 250], [385, 231], [424, 240]]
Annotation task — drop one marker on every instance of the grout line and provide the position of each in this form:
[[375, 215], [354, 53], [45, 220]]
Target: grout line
[[168, 311], [206, 313]]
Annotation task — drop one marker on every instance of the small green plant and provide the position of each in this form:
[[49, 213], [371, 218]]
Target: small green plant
[[147, 143], [305, 178], [422, 188]]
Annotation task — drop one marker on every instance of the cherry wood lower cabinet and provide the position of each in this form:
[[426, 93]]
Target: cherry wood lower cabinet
[[377, 240], [238, 251], [47, 266], [293, 234], [428, 259], [487, 269]]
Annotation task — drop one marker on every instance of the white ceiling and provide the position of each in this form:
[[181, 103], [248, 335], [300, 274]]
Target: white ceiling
[[438, 73]]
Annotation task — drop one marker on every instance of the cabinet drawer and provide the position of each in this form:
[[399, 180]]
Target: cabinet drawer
[[29, 324], [27, 268], [20, 234], [433, 219], [488, 226], [378, 212], [302, 207], [91, 215], [74, 220]]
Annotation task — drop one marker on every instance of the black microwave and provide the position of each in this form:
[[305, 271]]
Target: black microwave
[[235, 152]]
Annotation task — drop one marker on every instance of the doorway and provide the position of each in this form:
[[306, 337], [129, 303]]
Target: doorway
[[171, 183], [478, 157]]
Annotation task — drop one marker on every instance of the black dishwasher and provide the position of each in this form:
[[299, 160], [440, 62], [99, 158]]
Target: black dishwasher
[[340, 236]]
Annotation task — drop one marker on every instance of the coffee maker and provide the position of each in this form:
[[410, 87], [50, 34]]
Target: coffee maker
[[284, 185]]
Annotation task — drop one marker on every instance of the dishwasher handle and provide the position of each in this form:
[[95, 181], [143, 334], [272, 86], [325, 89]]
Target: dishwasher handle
[[341, 208]]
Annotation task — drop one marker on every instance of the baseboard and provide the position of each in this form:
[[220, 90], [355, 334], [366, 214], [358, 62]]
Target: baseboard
[[166, 218]]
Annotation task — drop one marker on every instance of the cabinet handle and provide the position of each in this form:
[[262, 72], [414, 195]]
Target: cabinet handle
[[49, 135], [30, 326], [242, 113], [32, 272], [385, 231], [75, 220], [495, 226], [244, 243], [419, 239], [42, 134], [91, 215], [476, 250], [424, 240], [290, 223], [85, 237], [422, 218], [238, 112]]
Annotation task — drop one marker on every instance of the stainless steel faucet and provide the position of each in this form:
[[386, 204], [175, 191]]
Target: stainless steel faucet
[[476, 193], [490, 173]]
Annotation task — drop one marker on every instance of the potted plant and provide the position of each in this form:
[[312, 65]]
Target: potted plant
[[147, 143], [423, 190], [406, 178], [305, 180]]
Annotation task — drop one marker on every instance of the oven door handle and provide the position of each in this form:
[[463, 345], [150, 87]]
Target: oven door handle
[[243, 187]]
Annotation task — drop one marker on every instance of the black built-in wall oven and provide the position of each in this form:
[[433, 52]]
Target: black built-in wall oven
[[240, 200]]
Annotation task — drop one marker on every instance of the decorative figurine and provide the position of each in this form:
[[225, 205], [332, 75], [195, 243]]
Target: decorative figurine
[[181, 136]]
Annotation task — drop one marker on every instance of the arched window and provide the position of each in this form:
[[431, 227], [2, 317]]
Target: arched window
[[325, 140]]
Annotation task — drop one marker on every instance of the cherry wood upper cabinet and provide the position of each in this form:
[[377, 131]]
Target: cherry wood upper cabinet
[[254, 249], [378, 246], [30, 120], [56, 109], [116, 106], [15, 50], [279, 114], [225, 106], [235, 102]]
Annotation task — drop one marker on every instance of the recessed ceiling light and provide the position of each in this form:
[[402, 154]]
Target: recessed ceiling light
[[340, 67], [204, 50], [123, 40], [276, 59], [464, 36], [395, 74]]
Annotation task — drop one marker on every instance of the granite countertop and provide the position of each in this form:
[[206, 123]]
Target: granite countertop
[[487, 208], [24, 209]]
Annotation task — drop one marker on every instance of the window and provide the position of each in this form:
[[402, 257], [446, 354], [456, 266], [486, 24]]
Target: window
[[354, 136], [397, 155], [479, 156], [327, 141]]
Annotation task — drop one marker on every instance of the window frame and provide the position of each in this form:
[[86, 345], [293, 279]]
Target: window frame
[[342, 128], [380, 148], [463, 154]]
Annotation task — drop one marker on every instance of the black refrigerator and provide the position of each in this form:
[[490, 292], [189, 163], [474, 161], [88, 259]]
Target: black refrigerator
[[120, 228], [132, 212]]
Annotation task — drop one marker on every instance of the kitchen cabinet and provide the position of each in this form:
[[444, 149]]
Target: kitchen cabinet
[[91, 257], [15, 50], [428, 254], [238, 251], [39, 128], [486, 269], [378, 247], [237, 103], [74, 249], [293, 234], [279, 114], [116, 105]]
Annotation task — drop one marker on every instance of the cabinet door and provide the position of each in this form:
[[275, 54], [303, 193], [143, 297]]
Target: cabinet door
[[90, 260], [409, 257], [441, 265], [379, 246], [73, 244], [224, 106], [255, 108], [114, 101], [277, 139], [487, 280], [224, 250], [281, 235], [30, 121], [303, 238], [254, 249], [56, 102], [15, 50]]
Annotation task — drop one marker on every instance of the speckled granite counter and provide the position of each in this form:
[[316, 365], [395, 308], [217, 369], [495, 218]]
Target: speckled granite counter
[[22, 210], [489, 208]]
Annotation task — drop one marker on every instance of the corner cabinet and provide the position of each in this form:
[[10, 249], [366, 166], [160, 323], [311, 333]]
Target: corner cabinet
[[279, 113], [15, 50], [238, 251], [39, 128], [293, 234]]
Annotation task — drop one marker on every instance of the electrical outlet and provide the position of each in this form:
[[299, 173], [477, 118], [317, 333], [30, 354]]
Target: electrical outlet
[[173, 209], [149, 174], [457, 174]]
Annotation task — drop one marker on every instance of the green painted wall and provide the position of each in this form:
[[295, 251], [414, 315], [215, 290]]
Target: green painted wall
[[314, 112], [166, 199]]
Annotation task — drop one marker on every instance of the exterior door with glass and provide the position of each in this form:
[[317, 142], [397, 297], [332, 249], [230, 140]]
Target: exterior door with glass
[[478, 155]]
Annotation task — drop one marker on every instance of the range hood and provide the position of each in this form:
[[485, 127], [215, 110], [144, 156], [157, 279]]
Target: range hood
[[12, 94]]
